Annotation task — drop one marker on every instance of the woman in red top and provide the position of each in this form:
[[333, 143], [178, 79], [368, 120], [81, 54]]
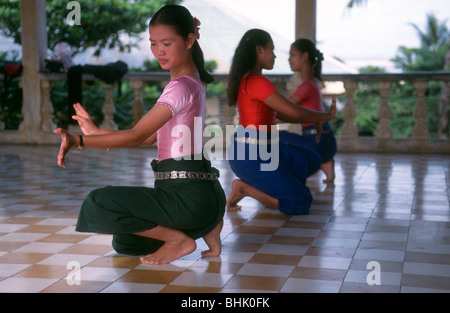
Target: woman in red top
[[307, 60], [259, 105]]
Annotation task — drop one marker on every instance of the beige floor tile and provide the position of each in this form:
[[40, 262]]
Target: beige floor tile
[[88, 249], [149, 276], [392, 209], [255, 282], [44, 271]]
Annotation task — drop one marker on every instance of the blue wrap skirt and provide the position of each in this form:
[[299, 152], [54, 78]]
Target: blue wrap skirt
[[326, 147], [277, 168]]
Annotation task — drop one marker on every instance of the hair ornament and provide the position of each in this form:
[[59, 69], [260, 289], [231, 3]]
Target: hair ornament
[[319, 56], [197, 28]]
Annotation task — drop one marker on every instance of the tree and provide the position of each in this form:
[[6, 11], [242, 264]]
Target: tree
[[444, 103], [353, 3], [430, 56], [102, 22]]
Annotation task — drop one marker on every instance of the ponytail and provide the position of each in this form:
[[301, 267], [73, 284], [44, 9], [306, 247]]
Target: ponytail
[[315, 56], [244, 60], [197, 55], [184, 24]]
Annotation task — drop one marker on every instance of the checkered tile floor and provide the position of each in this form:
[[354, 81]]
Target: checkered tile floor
[[390, 209]]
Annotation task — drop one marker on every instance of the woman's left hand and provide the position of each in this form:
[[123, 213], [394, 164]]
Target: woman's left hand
[[84, 120], [319, 128], [67, 142]]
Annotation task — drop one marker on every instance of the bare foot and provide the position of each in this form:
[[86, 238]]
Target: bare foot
[[241, 189], [328, 169], [213, 241], [236, 195], [170, 251]]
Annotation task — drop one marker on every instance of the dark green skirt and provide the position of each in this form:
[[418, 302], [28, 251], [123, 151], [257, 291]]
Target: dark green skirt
[[192, 206]]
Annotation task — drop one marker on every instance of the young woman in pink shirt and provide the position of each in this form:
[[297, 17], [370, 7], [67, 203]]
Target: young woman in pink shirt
[[187, 201]]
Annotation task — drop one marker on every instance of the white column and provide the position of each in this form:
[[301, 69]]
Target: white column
[[305, 19], [34, 51], [305, 27]]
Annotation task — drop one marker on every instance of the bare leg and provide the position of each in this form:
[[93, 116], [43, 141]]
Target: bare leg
[[241, 189], [177, 245], [328, 169], [213, 241]]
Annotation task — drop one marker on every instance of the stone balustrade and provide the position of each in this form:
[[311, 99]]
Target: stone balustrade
[[348, 141]]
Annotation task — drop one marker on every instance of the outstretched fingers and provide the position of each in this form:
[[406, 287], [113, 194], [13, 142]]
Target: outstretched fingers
[[333, 108], [84, 120]]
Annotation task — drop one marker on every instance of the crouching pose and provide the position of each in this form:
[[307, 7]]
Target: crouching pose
[[187, 201], [282, 187]]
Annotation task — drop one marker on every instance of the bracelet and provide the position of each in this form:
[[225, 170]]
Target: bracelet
[[81, 145]]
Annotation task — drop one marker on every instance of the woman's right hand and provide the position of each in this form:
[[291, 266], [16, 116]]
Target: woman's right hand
[[332, 111], [83, 118], [67, 142]]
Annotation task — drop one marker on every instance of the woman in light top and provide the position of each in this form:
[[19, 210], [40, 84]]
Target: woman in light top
[[187, 201]]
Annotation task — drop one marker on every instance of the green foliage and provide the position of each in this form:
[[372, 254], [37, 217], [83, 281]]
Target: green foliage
[[352, 3], [430, 56], [10, 98], [93, 97], [102, 22], [402, 100]]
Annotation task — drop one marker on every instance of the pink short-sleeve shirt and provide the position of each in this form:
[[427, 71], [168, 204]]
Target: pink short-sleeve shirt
[[182, 135]]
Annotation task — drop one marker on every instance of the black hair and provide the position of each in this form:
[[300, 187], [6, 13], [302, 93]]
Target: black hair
[[182, 21], [315, 56], [244, 60]]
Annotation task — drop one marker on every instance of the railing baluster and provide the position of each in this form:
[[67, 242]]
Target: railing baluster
[[138, 105], [108, 109], [47, 124], [384, 130], [420, 130], [348, 141], [349, 129]]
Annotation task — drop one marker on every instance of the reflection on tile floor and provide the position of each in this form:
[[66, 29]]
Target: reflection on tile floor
[[391, 209]]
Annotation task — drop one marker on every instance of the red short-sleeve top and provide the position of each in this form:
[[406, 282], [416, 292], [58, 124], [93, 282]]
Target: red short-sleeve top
[[310, 96], [253, 91]]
